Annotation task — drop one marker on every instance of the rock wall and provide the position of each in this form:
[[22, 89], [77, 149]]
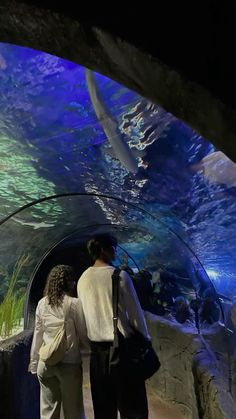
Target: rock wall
[[194, 371], [197, 373], [174, 382], [19, 389]]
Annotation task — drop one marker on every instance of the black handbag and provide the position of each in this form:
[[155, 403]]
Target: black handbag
[[135, 353]]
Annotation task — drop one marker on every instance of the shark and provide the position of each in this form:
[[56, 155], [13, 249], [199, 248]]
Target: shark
[[121, 149], [33, 224]]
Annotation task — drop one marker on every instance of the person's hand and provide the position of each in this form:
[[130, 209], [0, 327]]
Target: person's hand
[[32, 371]]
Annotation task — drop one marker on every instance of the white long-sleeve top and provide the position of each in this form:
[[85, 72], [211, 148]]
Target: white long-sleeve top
[[95, 292], [47, 322]]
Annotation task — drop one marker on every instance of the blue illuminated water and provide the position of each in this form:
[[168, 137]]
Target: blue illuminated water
[[51, 143]]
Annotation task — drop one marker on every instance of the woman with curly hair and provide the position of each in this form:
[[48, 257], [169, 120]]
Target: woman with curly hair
[[60, 384]]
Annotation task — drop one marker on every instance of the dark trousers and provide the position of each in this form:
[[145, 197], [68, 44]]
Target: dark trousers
[[115, 392]]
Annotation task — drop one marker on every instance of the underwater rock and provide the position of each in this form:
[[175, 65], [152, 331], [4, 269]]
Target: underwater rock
[[19, 388], [182, 310], [197, 374], [194, 369]]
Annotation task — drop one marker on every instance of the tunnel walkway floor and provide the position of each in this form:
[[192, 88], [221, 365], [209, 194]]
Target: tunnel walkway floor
[[157, 408]]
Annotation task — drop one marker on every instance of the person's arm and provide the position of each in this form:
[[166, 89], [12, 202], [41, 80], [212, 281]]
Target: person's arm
[[36, 342], [80, 324], [130, 303]]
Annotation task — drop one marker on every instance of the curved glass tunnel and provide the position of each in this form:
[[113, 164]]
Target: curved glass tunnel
[[53, 141], [144, 243]]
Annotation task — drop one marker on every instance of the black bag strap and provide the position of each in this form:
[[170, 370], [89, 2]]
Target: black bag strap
[[115, 298]]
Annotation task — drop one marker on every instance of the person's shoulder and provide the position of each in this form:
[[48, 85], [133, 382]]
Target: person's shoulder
[[125, 276], [41, 304], [85, 273], [69, 298], [124, 273], [75, 302], [83, 276], [42, 301]]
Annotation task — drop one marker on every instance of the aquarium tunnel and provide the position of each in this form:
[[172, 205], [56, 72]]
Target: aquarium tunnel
[[82, 154]]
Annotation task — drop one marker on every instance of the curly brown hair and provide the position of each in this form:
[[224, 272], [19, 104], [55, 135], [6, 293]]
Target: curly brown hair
[[57, 284]]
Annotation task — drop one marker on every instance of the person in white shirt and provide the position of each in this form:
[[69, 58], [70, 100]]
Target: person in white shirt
[[60, 384], [123, 392]]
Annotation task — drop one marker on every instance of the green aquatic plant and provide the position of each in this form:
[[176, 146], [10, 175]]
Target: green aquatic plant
[[11, 308]]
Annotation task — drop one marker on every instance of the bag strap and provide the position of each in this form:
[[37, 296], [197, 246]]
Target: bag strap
[[115, 298], [67, 306]]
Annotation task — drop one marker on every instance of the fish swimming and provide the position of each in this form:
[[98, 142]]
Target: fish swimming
[[217, 168], [33, 224], [121, 149]]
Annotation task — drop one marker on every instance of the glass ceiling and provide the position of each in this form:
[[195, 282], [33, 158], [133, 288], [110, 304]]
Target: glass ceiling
[[57, 136]]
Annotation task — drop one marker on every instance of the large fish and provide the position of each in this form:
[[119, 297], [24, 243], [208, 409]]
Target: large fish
[[121, 149], [33, 224], [217, 168]]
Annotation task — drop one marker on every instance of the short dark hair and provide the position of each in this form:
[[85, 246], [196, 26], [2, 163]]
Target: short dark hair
[[99, 242]]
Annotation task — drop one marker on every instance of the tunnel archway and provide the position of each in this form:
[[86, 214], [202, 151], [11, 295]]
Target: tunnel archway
[[155, 242], [39, 229], [158, 184]]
